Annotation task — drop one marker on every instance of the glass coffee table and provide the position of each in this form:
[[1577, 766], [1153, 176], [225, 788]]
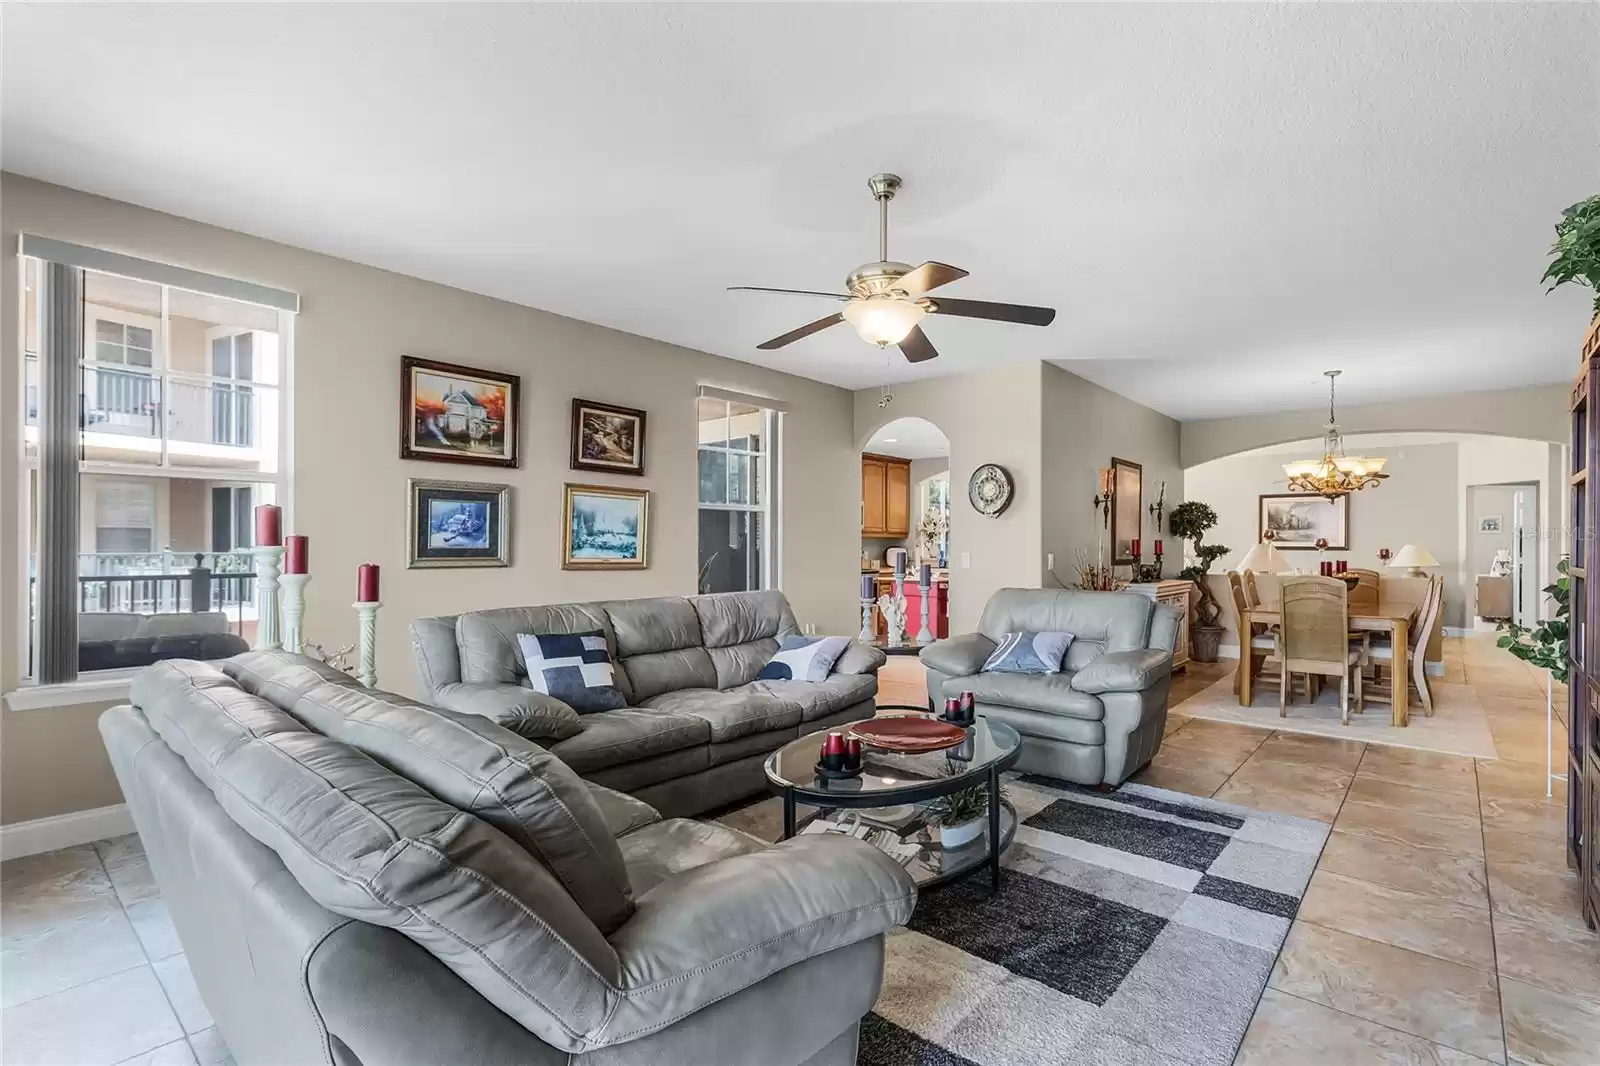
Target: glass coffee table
[[892, 780]]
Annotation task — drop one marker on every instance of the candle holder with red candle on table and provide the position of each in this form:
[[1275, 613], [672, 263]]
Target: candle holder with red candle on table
[[367, 604], [268, 554]]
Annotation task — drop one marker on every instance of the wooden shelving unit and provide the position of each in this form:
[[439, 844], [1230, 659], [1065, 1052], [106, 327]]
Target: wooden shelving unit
[[1583, 749]]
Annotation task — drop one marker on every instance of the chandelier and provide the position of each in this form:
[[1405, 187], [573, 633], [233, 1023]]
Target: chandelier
[[1335, 474]]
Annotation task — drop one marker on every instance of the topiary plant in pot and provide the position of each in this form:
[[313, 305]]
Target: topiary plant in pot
[[1191, 520]]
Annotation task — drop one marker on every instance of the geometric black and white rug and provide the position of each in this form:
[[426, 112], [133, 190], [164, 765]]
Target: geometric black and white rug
[[1134, 928]]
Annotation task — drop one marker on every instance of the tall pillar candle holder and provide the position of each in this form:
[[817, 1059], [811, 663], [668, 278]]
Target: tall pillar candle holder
[[925, 587], [269, 567], [294, 608], [367, 650], [866, 636]]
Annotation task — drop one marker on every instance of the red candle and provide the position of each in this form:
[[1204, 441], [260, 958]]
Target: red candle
[[1133, 548], [367, 583], [1159, 548], [269, 525], [297, 556]]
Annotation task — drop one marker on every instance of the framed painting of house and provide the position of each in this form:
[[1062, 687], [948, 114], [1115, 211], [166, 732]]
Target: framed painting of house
[[1127, 508], [1297, 521], [458, 523], [607, 438], [456, 414]]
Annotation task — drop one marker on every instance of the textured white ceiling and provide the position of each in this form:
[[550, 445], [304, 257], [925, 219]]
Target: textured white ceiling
[[1221, 200]]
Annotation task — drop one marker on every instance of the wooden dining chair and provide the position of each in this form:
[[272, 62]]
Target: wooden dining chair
[[1381, 651], [1313, 638], [1365, 591], [1255, 645], [1252, 595]]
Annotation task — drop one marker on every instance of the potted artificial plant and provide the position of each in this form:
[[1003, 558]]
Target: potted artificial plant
[[1577, 256], [1190, 521], [961, 815], [1545, 646]]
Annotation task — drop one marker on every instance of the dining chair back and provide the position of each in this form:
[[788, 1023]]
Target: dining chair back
[[1365, 591], [1314, 637], [1252, 595]]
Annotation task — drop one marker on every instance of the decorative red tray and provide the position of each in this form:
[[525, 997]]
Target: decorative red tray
[[908, 734]]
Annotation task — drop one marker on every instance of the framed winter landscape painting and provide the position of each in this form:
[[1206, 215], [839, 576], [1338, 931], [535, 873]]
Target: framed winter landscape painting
[[456, 414], [607, 438], [1297, 520], [605, 528], [458, 523]]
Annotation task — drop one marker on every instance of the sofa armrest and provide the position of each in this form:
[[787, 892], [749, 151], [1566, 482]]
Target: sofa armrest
[[860, 658], [1124, 671], [522, 710], [727, 925], [958, 656], [623, 813]]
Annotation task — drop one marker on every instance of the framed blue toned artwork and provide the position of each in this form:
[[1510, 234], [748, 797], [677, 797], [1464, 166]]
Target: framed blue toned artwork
[[459, 523], [605, 528]]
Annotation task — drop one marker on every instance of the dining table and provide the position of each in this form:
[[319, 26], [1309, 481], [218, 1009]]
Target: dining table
[[1392, 618]]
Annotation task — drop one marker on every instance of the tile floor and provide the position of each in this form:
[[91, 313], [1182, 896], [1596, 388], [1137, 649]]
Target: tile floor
[[1441, 925]]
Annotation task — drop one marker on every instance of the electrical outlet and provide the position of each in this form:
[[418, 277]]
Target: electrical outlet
[[966, 560], [1050, 560]]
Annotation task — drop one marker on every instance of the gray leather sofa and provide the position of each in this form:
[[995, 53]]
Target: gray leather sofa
[[698, 725], [359, 879], [1101, 718]]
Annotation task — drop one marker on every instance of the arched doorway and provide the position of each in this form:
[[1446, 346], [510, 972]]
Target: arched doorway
[[905, 515]]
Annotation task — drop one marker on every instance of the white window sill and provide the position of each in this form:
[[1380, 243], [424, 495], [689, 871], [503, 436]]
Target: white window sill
[[102, 688]]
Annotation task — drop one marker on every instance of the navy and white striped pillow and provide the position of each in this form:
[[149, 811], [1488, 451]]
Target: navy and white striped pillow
[[1029, 653], [575, 668]]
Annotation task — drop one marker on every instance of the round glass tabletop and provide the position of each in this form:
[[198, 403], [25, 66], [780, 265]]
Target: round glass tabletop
[[888, 777]]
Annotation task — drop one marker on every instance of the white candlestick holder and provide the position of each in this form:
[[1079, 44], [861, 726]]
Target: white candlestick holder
[[925, 634], [269, 565], [294, 608], [367, 656], [866, 636]]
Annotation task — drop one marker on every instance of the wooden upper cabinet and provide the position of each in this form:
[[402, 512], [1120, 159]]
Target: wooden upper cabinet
[[873, 480], [885, 496], [897, 499]]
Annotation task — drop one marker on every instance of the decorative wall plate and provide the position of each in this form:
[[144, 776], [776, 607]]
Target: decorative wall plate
[[989, 491]]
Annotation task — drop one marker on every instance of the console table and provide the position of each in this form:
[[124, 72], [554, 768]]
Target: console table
[[1174, 594]]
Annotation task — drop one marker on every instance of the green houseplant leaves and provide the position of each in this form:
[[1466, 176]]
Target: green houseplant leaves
[[1544, 645], [1577, 248]]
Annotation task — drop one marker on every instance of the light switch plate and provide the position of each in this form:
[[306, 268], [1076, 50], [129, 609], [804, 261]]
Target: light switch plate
[[966, 560], [1050, 560]]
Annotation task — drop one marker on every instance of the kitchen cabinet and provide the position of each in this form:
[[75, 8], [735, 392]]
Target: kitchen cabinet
[[885, 496]]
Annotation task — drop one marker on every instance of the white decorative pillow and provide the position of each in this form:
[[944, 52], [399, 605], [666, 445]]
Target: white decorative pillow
[[575, 668], [804, 659], [1029, 653]]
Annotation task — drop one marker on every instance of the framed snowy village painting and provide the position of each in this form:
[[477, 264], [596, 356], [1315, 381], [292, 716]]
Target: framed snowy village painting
[[456, 414], [458, 523]]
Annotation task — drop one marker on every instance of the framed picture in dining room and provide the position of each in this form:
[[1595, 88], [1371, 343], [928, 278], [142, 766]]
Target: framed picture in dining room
[[605, 528], [1297, 520], [1127, 508], [606, 438], [458, 414], [457, 524]]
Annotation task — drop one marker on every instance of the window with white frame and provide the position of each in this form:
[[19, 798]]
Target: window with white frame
[[154, 424], [738, 442]]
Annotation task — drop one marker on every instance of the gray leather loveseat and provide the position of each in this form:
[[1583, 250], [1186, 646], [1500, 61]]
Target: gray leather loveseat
[[698, 725], [358, 879], [1101, 718]]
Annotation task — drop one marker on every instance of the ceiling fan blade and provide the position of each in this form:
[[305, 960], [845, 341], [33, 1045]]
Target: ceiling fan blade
[[929, 276], [1026, 315], [917, 347], [789, 292], [798, 334]]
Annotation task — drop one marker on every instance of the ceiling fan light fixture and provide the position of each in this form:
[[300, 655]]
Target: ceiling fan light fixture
[[882, 320]]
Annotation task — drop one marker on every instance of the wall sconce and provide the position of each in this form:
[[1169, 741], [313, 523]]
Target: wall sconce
[[1107, 493]]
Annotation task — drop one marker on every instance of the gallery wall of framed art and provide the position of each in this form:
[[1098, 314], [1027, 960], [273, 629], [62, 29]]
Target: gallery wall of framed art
[[457, 523], [457, 414]]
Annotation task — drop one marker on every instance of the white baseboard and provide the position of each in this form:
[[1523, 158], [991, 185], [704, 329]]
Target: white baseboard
[[64, 831]]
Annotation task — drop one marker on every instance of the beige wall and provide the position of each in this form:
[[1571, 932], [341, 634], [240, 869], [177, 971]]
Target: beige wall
[[1418, 504], [1534, 414], [1086, 425], [993, 417], [349, 487]]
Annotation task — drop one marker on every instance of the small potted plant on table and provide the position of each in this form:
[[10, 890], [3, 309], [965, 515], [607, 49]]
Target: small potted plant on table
[[961, 816]]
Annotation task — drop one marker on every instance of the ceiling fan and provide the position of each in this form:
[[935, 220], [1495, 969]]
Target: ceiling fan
[[887, 300]]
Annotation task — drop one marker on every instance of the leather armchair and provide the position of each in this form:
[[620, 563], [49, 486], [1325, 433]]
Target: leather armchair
[[1102, 717]]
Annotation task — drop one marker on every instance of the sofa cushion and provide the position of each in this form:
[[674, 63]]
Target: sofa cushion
[[473, 764], [574, 668], [819, 699], [1050, 693], [740, 631], [1052, 726], [487, 640], [611, 738], [663, 850], [366, 843], [281, 677], [736, 713], [623, 813], [658, 644]]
